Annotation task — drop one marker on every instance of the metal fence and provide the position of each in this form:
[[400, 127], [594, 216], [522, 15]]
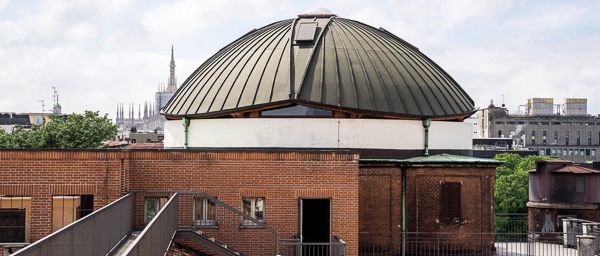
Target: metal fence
[[511, 223], [296, 248], [94, 234], [155, 239], [473, 244]]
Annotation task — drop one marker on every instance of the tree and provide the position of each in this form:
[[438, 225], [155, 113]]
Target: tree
[[88, 130], [511, 189]]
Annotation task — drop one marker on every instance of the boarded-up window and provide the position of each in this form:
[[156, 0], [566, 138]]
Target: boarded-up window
[[450, 202]]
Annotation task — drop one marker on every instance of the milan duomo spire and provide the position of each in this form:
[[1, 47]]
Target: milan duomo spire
[[149, 118], [172, 87]]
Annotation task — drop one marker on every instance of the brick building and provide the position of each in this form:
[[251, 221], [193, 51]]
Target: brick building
[[306, 134]]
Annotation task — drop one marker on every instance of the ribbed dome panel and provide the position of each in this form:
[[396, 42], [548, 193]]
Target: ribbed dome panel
[[348, 66]]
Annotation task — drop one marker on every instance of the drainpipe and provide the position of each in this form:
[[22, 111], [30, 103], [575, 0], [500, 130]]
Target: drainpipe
[[403, 175], [186, 125], [426, 124]]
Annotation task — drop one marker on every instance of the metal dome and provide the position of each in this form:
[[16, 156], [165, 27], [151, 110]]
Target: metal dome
[[321, 61]]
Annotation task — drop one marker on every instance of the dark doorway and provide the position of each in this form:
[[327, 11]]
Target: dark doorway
[[315, 220], [86, 206], [315, 226]]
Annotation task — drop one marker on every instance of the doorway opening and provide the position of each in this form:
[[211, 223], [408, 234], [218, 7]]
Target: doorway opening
[[315, 226]]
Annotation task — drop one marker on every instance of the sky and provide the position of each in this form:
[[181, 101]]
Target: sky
[[100, 53]]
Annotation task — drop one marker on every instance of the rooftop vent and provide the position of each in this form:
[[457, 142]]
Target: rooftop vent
[[306, 32], [317, 13]]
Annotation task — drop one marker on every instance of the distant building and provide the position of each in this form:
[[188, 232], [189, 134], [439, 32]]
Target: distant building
[[564, 131], [9, 121], [474, 120], [490, 147], [148, 120]]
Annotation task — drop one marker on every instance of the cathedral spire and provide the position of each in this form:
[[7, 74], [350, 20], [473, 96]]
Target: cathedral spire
[[172, 87]]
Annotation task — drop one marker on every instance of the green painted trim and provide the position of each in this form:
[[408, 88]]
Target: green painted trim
[[426, 125], [186, 125], [436, 159]]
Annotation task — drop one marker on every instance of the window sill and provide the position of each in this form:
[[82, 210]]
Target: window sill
[[453, 222], [206, 226], [246, 226]]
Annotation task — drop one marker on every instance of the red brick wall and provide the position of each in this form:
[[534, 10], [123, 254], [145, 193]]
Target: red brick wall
[[477, 191], [281, 177], [380, 205], [381, 201], [42, 174]]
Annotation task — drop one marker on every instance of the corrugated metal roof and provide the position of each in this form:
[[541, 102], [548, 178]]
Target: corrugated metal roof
[[575, 169], [348, 66]]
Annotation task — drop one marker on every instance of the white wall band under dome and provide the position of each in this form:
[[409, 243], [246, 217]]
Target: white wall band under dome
[[317, 133]]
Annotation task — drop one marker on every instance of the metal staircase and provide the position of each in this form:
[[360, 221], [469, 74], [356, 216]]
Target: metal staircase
[[228, 231], [207, 241]]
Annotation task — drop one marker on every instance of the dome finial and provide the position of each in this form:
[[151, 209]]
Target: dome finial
[[317, 13]]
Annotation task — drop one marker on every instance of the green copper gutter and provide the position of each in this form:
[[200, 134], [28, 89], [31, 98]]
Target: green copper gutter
[[186, 125], [426, 124]]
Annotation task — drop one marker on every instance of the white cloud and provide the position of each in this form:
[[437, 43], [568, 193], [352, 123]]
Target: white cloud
[[186, 18], [99, 53]]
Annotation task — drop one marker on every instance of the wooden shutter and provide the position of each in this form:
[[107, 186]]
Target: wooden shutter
[[450, 202]]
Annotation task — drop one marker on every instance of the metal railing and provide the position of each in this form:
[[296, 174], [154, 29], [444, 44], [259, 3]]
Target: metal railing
[[296, 248], [511, 226], [511, 222], [471, 244], [229, 226], [156, 237], [573, 227], [94, 234]]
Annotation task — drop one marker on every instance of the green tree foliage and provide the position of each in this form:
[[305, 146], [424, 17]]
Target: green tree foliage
[[88, 130], [511, 189]]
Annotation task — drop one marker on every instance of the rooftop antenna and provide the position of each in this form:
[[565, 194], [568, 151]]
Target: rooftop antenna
[[43, 106], [56, 108], [503, 105]]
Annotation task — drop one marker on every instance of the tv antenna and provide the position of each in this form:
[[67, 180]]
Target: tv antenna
[[43, 106]]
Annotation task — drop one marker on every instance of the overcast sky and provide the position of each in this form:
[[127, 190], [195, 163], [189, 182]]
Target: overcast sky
[[98, 53]]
